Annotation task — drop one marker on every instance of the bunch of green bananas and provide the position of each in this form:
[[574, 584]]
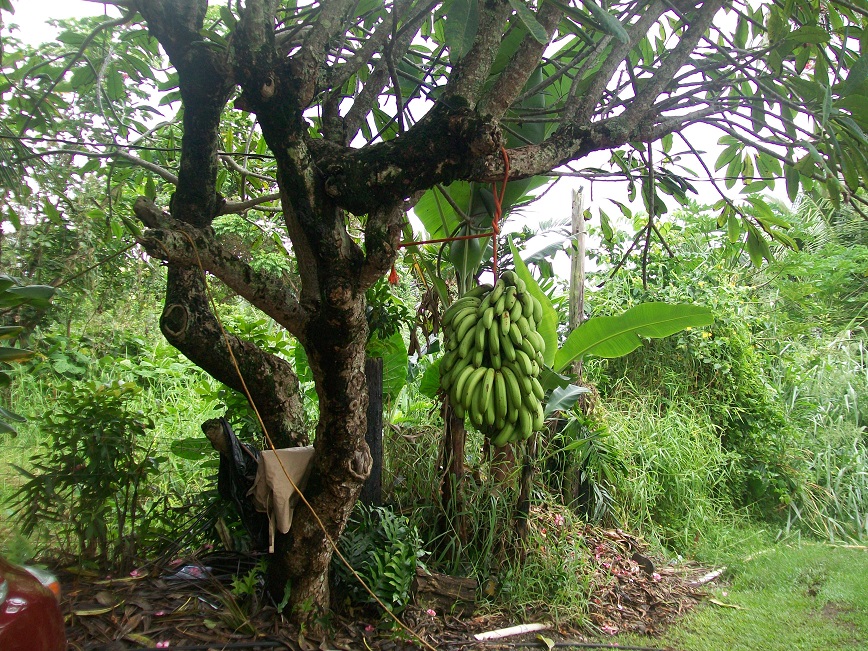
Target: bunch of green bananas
[[494, 354]]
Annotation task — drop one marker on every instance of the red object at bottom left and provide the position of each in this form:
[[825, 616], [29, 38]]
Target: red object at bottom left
[[30, 617]]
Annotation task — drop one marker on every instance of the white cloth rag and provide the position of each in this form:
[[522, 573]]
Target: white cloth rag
[[273, 493]]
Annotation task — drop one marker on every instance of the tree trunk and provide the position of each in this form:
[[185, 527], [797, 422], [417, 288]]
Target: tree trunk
[[336, 351]]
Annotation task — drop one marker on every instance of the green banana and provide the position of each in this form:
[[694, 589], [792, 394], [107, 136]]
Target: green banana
[[539, 418], [465, 347], [537, 309], [515, 312], [522, 324], [525, 422], [505, 436], [461, 328], [506, 348], [481, 333], [461, 304], [509, 298], [513, 390], [523, 362], [538, 390], [493, 343], [515, 334], [470, 385], [479, 291], [526, 346], [500, 404], [461, 382], [497, 292], [505, 323], [488, 317]]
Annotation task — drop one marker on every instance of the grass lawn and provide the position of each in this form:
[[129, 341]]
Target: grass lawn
[[810, 597]]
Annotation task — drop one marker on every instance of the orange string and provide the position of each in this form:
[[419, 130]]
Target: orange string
[[495, 224]]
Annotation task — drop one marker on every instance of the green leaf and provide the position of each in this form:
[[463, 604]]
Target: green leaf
[[6, 428], [792, 178], [35, 295], [808, 34], [564, 398], [429, 385], [548, 327], [7, 332], [114, 86], [52, 213], [5, 414], [462, 23], [733, 227], [616, 336], [857, 76], [227, 16], [191, 449], [754, 248], [526, 15], [395, 361], [608, 22], [151, 188], [15, 354]]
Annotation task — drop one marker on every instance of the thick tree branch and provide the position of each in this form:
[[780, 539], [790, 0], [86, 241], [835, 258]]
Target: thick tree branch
[[519, 69], [188, 324], [206, 83], [438, 149], [470, 74], [698, 25], [308, 62], [181, 244]]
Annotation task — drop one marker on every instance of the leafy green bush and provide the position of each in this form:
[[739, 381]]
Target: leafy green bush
[[384, 549], [88, 489]]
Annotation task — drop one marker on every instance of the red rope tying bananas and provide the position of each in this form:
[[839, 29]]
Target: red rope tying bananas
[[495, 224]]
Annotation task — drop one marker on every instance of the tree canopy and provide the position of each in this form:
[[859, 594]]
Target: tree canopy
[[321, 124]]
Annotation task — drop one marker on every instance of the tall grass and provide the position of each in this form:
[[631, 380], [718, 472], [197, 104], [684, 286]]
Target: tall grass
[[827, 390], [675, 487]]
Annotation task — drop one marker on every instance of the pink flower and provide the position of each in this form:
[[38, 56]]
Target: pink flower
[[159, 613], [431, 612], [559, 520], [369, 628], [656, 576], [609, 630], [162, 645], [135, 573]]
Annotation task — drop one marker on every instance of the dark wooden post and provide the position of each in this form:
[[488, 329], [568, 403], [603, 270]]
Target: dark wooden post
[[372, 491]]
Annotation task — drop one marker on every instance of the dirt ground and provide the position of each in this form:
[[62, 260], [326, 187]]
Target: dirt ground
[[189, 604]]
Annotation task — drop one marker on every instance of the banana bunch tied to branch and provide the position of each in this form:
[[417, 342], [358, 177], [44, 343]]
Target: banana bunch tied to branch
[[494, 354]]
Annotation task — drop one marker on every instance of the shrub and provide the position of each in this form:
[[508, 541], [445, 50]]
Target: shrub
[[88, 488]]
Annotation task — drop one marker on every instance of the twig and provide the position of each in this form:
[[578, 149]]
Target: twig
[[510, 631], [707, 578]]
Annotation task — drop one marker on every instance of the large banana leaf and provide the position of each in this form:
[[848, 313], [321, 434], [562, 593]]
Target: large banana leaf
[[548, 327], [394, 354], [615, 336]]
